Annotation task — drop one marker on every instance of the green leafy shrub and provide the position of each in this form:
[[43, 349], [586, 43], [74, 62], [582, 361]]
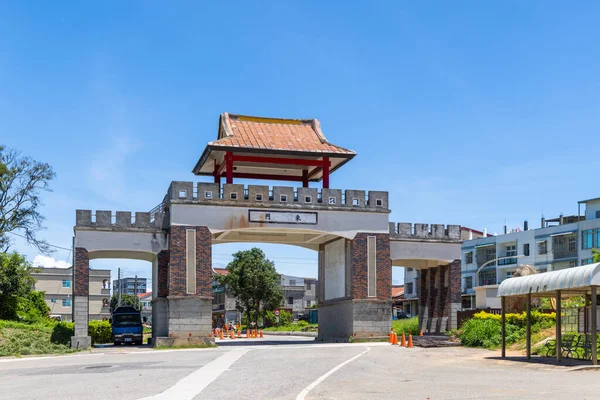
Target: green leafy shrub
[[409, 326], [62, 332], [100, 331], [478, 332], [302, 324], [285, 318]]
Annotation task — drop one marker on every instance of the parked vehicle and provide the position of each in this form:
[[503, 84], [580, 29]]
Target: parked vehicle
[[127, 326], [403, 315]]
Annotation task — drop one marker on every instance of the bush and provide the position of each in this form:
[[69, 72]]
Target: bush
[[485, 330], [285, 318], [100, 332], [62, 332], [302, 324], [409, 326]]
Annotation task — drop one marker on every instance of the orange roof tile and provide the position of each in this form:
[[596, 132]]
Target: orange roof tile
[[397, 291], [274, 134], [220, 271]]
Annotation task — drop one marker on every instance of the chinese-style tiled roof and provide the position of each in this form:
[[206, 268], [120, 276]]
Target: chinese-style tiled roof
[[397, 291], [220, 271], [274, 134]]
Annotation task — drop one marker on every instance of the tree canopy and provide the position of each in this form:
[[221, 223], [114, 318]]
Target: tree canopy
[[254, 282], [126, 300], [595, 255], [22, 180], [18, 299]]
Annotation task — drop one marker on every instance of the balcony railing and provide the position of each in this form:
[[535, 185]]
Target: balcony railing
[[294, 288], [560, 254], [507, 261]]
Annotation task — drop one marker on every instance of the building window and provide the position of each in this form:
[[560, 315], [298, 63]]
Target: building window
[[355, 202], [511, 251], [208, 195], [308, 286], [259, 197], [233, 196], [469, 257], [409, 269], [182, 194], [332, 200], [469, 282], [490, 254], [292, 282], [526, 249], [66, 302], [290, 300], [409, 288], [543, 247], [590, 238], [308, 304], [572, 243], [283, 198], [308, 199], [509, 274], [66, 283], [587, 261], [379, 203]]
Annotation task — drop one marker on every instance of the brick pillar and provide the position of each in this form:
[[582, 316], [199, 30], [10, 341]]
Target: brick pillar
[[188, 288], [454, 299], [80, 305], [163, 273], [423, 299], [365, 308]]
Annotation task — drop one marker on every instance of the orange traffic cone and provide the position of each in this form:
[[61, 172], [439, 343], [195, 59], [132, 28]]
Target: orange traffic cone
[[261, 335], [239, 333], [221, 334], [247, 333], [410, 343], [254, 333], [232, 334], [421, 332], [403, 341], [390, 340], [395, 338]]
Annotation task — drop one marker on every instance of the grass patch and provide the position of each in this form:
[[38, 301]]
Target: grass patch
[[19, 339], [408, 326], [301, 326]]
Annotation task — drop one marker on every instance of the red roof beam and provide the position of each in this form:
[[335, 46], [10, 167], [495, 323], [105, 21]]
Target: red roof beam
[[277, 160], [267, 177]]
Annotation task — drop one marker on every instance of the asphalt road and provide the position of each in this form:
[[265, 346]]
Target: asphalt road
[[291, 368]]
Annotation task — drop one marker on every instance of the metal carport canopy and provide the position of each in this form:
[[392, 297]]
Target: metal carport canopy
[[576, 280]]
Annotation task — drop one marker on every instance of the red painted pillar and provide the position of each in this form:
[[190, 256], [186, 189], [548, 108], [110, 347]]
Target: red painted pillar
[[326, 172], [305, 178], [229, 168], [216, 173]]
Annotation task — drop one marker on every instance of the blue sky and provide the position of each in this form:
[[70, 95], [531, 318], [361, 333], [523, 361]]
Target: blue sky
[[469, 112]]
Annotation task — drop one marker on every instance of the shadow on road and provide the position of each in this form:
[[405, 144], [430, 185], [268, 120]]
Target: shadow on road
[[537, 360]]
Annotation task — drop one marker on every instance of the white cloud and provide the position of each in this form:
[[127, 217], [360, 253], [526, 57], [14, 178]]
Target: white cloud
[[49, 262]]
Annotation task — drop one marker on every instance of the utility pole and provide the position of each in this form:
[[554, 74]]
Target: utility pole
[[135, 293], [119, 287]]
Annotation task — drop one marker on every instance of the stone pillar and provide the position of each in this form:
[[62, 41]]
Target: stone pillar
[[423, 299], [80, 306], [187, 303], [454, 299], [362, 307]]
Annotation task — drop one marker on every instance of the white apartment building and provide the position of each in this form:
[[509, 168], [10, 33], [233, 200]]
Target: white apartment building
[[57, 283], [563, 242]]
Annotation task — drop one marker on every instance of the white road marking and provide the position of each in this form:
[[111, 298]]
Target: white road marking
[[191, 386], [310, 387]]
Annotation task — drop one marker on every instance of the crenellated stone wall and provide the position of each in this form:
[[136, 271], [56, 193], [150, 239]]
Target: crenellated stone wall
[[121, 220], [435, 232], [257, 195]]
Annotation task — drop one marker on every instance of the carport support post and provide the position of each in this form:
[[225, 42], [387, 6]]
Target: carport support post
[[503, 300], [528, 332], [594, 326], [558, 327]]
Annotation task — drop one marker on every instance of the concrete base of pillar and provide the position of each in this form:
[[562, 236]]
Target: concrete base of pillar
[[340, 320], [81, 342], [183, 341], [182, 321]]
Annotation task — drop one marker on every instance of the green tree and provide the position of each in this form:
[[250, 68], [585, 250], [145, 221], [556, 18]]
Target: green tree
[[254, 282], [126, 300], [595, 255], [15, 284], [22, 180]]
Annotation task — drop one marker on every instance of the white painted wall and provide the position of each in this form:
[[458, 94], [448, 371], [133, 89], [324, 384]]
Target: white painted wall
[[110, 244], [591, 208], [334, 267], [220, 218]]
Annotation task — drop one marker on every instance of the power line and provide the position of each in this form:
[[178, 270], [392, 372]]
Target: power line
[[51, 245]]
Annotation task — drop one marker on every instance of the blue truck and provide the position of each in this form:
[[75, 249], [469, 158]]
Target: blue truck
[[127, 326]]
